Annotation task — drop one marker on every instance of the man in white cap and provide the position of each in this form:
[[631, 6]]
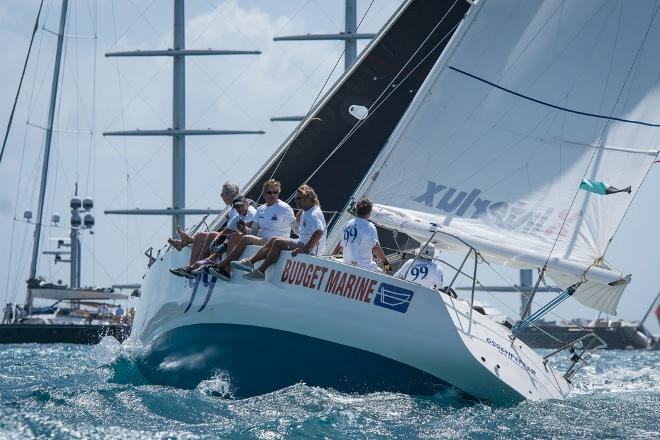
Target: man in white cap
[[423, 270]]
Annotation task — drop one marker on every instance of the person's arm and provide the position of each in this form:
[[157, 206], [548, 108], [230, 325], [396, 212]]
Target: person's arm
[[294, 221], [295, 226], [249, 220], [255, 228], [316, 236], [439, 277], [378, 252]]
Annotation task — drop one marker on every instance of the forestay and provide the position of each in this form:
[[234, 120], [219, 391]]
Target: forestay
[[528, 99]]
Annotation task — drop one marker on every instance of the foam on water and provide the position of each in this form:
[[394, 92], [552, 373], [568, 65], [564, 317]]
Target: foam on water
[[66, 391]]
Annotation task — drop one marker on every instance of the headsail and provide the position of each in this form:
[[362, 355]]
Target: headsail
[[528, 100]]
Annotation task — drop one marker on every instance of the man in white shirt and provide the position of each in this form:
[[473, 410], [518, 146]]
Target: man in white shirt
[[274, 219], [311, 237], [359, 240], [423, 270]]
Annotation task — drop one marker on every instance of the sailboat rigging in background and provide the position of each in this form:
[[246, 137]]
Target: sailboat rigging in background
[[59, 323]]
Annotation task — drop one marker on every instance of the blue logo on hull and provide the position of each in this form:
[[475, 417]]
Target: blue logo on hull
[[393, 297]]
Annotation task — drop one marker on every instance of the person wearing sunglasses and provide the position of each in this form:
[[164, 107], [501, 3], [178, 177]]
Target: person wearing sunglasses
[[203, 241], [311, 237], [274, 219]]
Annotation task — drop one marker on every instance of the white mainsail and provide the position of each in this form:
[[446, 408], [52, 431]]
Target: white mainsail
[[528, 99]]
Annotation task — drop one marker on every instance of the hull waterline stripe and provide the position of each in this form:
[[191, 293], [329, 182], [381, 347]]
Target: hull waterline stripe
[[547, 104]]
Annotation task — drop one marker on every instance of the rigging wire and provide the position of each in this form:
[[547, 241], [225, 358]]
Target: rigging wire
[[311, 107], [595, 150], [92, 155], [485, 289], [20, 83], [378, 102]]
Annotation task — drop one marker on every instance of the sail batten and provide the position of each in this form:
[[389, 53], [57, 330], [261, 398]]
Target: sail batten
[[529, 99]]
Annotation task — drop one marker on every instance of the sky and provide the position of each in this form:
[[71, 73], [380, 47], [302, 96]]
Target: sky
[[233, 92]]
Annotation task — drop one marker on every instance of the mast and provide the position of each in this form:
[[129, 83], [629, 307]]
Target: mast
[[349, 36], [350, 26], [178, 131], [47, 144], [179, 117]]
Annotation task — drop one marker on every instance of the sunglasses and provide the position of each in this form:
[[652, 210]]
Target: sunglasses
[[271, 192]]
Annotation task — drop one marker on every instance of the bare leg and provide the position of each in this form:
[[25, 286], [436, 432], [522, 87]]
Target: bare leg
[[261, 253], [238, 249], [274, 253], [233, 240], [197, 247], [205, 251]]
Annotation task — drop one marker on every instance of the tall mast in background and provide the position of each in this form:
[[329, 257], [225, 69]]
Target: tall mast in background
[[349, 36], [47, 145], [178, 131]]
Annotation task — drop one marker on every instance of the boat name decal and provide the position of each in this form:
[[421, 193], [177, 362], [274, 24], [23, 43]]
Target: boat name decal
[[511, 356], [348, 285], [340, 283]]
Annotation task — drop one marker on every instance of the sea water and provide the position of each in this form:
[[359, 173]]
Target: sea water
[[72, 391]]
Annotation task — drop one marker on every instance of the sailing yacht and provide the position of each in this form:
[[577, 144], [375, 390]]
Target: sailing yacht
[[71, 316], [483, 118]]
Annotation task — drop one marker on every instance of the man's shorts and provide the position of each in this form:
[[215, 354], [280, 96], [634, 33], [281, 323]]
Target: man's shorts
[[294, 244], [260, 242]]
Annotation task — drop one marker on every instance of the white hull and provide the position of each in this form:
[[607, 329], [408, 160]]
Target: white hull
[[430, 333]]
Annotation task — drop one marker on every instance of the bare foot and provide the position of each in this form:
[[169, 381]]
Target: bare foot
[[176, 244], [185, 238]]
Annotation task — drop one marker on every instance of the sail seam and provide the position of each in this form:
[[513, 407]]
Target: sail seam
[[548, 104]]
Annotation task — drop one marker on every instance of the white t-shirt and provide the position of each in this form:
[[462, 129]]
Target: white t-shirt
[[275, 220], [359, 236], [311, 221], [247, 218], [425, 272]]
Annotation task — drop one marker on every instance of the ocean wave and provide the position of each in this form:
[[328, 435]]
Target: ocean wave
[[64, 391]]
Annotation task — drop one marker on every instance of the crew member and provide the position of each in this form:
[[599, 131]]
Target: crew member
[[237, 225], [423, 270], [202, 240], [359, 240], [274, 219], [311, 237]]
